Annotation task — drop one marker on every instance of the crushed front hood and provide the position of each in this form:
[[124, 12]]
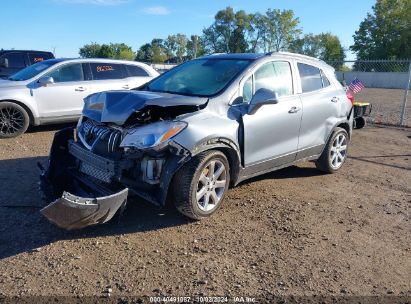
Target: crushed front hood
[[117, 106]]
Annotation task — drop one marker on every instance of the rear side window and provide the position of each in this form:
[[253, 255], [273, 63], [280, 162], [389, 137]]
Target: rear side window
[[310, 77], [69, 72], [136, 71], [16, 60], [106, 71], [38, 57]]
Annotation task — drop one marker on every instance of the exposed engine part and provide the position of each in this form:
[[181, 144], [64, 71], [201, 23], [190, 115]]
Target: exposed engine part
[[151, 169], [95, 136]]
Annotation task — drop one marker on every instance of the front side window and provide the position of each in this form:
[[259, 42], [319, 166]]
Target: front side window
[[200, 77], [16, 60], [32, 70], [275, 76], [310, 77], [107, 71], [67, 73]]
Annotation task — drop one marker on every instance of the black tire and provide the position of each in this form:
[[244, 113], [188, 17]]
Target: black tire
[[326, 161], [187, 179], [359, 123], [14, 120]]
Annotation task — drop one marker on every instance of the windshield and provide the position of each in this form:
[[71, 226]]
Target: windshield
[[200, 77], [31, 71]]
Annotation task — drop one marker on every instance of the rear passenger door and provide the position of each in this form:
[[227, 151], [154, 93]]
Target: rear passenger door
[[108, 76], [320, 110], [137, 76]]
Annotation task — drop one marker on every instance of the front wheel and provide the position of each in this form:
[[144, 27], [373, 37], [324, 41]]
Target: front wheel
[[200, 185], [335, 152], [14, 120]]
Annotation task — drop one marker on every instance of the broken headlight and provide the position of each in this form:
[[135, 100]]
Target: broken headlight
[[152, 135]]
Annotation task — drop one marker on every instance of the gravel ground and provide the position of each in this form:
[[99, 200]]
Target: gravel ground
[[294, 232], [386, 105]]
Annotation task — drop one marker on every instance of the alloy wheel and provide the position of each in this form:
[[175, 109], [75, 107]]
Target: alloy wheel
[[211, 185], [11, 120], [338, 151]]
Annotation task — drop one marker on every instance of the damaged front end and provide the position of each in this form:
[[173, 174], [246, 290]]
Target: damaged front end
[[94, 168]]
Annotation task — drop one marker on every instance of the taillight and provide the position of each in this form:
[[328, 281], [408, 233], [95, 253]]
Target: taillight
[[350, 96]]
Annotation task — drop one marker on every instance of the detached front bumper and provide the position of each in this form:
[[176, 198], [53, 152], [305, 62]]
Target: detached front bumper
[[75, 212], [89, 205]]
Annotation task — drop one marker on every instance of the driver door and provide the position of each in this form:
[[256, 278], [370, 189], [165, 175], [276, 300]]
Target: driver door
[[271, 133], [65, 96]]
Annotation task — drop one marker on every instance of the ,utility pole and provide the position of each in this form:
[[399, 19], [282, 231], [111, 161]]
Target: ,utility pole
[[404, 104], [195, 46]]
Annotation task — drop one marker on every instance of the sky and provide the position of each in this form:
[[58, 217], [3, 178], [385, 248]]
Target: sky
[[63, 26]]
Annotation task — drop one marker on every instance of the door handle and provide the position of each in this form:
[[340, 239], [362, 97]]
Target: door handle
[[335, 99], [80, 89], [126, 86], [294, 110]]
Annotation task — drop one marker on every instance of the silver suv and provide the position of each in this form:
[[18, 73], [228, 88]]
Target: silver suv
[[189, 134], [52, 91]]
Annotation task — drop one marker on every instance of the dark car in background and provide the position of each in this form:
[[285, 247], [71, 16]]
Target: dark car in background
[[12, 61]]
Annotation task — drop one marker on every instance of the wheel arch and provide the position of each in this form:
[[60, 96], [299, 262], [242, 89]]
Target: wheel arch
[[345, 126], [228, 148], [29, 111]]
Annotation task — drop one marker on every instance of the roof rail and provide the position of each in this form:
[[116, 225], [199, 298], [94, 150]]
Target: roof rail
[[296, 55]]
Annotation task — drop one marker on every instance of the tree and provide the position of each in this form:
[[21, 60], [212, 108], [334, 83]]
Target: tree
[[90, 50], [112, 50], [282, 29], [386, 33], [159, 50], [324, 46], [145, 53], [195, 47], [257, 32], [176, 46], [227, 33], [122, 51]]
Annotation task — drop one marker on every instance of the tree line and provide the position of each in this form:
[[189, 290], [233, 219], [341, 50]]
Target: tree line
[[384, 34]]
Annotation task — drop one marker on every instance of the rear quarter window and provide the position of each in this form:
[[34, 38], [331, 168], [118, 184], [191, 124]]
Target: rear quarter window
[[106, 71], [136, 71]]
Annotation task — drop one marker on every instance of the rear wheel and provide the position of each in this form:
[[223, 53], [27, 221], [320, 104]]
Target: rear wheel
[[14, 120], [335, 152], [199, 186]]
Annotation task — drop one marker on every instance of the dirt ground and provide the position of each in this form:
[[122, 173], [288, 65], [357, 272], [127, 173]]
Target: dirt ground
[[292, 232], [386, 105]]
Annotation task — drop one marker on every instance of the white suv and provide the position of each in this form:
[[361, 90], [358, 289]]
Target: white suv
[[52, 91]]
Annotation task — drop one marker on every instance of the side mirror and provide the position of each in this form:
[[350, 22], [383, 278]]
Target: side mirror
[[4, 63], [45, 80], [260, 98]]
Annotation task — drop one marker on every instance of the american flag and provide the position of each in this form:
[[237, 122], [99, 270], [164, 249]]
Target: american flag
[[356, 85]]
